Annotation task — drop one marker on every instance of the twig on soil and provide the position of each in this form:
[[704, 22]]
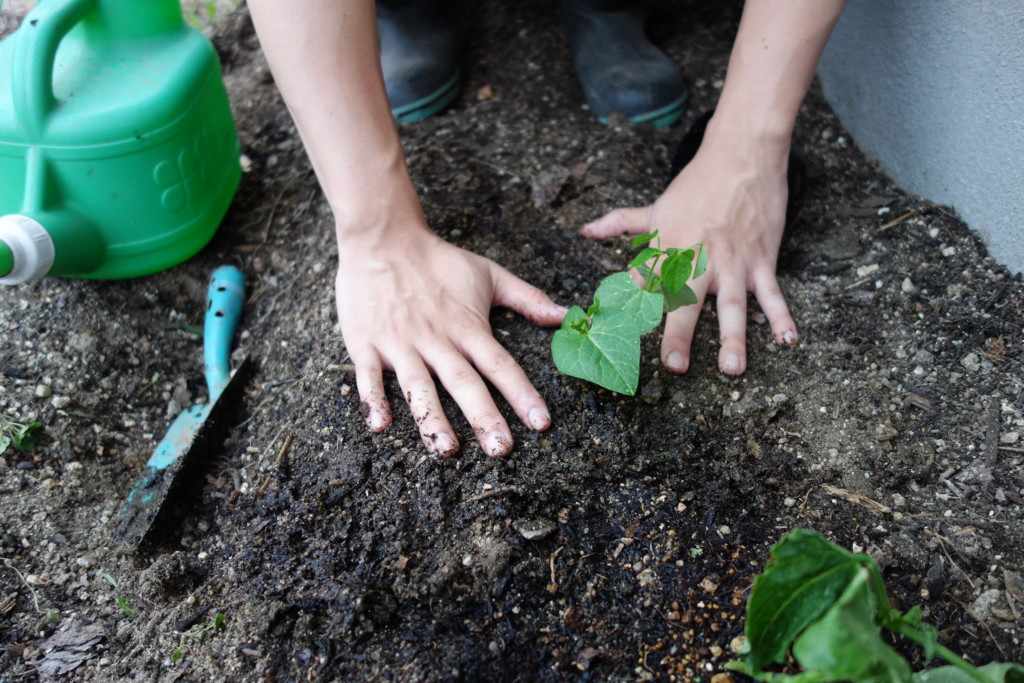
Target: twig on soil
[[1011, 449], [342, 367], [898, 220], [285, 447], [942, 544], [493, 492], [803, 506], [857, 499], [987, 629], [553, 586], [35, 598]]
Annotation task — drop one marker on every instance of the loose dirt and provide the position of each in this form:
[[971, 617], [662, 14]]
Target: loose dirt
[[619, 545]]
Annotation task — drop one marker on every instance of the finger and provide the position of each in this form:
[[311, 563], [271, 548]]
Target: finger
[[370, 384], [469, 391], [773, 303], [679, 328], [421, 395], [618, 222], [732, 326], [525, 299], [496, 364]]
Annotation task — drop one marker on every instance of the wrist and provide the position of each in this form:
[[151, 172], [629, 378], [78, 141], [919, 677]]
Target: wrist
[[747, 138], [381, 207]]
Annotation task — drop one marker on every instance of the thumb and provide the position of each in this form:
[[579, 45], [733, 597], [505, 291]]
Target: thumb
[[618, 222], [525, 299]]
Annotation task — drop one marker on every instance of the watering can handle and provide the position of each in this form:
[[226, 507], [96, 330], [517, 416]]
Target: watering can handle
[[34, 53]]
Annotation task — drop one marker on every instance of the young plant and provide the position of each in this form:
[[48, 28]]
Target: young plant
[[602, 344], [827, 607], [195, 635], [21, 436]]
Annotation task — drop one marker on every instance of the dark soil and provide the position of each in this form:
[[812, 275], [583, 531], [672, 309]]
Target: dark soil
[[337, 554]]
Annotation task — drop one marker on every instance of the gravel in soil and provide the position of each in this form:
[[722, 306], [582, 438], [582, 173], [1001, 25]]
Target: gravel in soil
[[620, 544]]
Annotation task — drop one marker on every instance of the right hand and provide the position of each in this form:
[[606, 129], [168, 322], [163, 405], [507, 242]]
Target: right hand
[[420, 307]]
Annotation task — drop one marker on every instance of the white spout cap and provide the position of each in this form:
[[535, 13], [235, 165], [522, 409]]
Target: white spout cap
[[31, 247]]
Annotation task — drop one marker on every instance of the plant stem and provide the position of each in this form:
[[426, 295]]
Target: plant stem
[[647, 282], [910, 632]]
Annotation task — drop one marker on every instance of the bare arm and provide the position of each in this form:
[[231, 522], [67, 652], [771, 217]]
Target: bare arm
[[732, 196], [407, 301]]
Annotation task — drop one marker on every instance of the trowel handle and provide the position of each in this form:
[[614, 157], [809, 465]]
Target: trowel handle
[[34, 52], [223, 309]]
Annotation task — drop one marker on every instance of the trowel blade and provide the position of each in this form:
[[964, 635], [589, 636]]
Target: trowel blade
[[191, 436]]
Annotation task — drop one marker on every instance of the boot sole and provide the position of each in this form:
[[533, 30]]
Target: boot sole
[[429, 105], [664, 116]]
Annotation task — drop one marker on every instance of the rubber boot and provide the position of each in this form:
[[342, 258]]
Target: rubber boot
[[419, 47], [620, 70]]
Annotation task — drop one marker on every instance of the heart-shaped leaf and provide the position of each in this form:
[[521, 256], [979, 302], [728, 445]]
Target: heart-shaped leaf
[[618, 291], [608, 354]]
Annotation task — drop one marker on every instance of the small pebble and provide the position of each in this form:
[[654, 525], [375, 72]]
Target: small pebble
[[971, 362], [60, 402], [43, 391], [789, 502]]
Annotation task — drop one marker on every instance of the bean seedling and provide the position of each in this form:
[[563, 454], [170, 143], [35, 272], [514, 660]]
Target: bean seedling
[[602, 344], [827, 607], [21, 436], [195, 635]]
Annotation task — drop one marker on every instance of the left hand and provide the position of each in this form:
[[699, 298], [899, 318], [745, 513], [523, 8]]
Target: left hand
[[732, 197]]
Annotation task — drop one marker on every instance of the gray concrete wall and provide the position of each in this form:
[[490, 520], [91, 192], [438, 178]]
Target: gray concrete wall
[[934, 91]]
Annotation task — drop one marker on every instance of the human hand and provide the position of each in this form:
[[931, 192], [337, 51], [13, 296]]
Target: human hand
[[732, 197], [421, 307]]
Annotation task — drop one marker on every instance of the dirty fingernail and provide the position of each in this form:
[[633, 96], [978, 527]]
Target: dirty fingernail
[[375, 418], [789, 337], [676, 362], [540, 419], [497, 443], [731, 363], [441, 443]]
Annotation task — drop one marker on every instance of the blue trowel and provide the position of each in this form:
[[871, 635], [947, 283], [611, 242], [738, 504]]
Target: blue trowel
[[194, 432]]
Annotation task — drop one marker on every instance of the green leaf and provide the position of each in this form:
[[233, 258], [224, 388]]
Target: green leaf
[[805, 577], [644, 256], [701, 264], [5, 442], [24, 436], [684, 297], [594, 307], [644, 239], [218, 622], [619, 292], [607, 355], [998, 672], [176, 655], [915, 619], [576, 320], [846, 644], [675, 271], [806, 677]]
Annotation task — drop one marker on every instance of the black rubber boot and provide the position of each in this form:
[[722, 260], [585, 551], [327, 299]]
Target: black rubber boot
[[620, 70], [419, 48]]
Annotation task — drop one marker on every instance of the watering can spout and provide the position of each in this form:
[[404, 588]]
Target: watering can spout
[[32, 247]]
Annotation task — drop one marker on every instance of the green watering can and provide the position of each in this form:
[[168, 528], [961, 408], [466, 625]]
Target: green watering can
[[118, 153]]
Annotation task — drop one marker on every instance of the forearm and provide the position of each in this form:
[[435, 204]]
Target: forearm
[[324, 57], [772, 64]]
